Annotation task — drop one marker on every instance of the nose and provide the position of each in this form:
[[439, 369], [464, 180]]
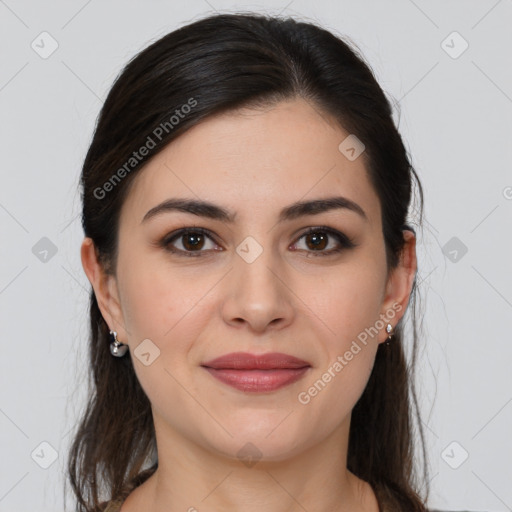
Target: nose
[[258, 295]]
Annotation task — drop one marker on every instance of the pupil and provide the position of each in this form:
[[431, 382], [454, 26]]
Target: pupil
[[192, 240], [318, 240]]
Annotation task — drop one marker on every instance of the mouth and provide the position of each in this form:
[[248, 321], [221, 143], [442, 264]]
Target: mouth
[[257, 373]]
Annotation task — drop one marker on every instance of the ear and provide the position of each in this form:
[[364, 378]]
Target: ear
[[105, 289], [399, 285]]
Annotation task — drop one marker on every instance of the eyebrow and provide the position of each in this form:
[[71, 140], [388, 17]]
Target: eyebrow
[[291, 212]]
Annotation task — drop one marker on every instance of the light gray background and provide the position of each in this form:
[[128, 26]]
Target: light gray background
[[456, 119]]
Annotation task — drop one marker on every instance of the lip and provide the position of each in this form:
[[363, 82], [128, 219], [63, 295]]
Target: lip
[[257, 372], [247, 361]]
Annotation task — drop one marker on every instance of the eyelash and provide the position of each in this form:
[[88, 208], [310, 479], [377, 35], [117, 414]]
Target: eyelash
[[344, 241]]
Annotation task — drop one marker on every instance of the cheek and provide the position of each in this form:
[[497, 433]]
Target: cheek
[[158, 300], [164, 307], [347, 309], [170, 308], [348, 304]]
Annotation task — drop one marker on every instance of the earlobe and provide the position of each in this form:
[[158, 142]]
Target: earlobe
[[104, 286]]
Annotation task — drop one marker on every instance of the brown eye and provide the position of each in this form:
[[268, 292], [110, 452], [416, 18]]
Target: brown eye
[[193, 242], [317, 239]]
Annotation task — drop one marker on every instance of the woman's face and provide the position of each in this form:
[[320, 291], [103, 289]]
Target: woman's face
[[256, 284]]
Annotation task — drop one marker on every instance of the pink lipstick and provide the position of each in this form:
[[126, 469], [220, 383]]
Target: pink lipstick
[[257, 372]]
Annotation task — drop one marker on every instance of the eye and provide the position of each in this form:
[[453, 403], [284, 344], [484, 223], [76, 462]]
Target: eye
[[318, 238], [192, 242]]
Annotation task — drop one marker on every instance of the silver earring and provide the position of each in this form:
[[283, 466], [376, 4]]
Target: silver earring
[[117, 348], [389, 330]]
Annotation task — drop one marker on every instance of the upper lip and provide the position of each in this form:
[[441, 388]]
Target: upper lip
[[247, 361]]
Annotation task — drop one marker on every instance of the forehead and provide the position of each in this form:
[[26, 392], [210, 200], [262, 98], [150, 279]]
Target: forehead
[[254, 162]]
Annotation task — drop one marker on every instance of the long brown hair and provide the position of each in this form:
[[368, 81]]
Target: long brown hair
[[213, 65]]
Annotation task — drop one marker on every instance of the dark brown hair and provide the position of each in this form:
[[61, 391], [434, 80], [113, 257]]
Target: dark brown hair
[[217, 64]]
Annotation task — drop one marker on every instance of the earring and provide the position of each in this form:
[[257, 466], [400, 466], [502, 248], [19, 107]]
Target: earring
[[389, 329], [117, 348]]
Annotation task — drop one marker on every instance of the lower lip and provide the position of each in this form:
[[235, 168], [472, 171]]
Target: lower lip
[[258, 380]]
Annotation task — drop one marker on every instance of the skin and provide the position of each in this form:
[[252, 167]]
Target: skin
[[252, 162]]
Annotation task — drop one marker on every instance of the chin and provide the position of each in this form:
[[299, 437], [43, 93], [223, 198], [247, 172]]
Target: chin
[[270, 441]]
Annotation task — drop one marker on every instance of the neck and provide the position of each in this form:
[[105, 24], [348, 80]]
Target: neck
[[193, 479]]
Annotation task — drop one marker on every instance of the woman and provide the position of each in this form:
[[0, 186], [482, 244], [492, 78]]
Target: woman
[[245, 199]]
